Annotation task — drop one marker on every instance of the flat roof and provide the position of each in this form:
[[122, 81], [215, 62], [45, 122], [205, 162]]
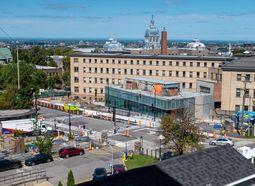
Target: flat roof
[[39, 67], [144, 56], [182, 95], [244, 64], [153, 81]]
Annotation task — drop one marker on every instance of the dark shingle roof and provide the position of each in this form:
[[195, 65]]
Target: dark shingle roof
[[244, 64], [213, 166]]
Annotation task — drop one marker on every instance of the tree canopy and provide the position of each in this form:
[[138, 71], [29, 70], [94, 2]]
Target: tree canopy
[[180, 132]]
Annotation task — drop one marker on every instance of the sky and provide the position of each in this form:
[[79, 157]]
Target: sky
[[183, 19]]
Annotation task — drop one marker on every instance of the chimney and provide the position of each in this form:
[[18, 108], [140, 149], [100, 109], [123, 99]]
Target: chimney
[[164, 42]]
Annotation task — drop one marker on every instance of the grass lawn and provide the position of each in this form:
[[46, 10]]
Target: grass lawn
[[139, 161]]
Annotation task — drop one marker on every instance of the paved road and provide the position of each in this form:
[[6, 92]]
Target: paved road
[[82, 166]]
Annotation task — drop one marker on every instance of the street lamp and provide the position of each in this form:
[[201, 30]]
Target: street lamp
[[161, 137], [69, 120]]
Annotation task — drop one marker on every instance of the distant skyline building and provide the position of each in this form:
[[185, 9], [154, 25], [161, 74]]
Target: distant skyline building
[[152, 36], [112, 45]]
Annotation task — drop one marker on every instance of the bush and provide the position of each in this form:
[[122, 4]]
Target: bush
[[70, 179]]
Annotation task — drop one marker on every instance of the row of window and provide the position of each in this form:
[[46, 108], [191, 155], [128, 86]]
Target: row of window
[[246, 108], [246, 77], [143, 72], [246, 93], [144, 62], [101, 90]]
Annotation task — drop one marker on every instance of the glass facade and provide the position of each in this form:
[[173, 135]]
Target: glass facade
[[144, 103]]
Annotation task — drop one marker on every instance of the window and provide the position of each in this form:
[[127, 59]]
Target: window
[[101, 90], [90, 90], [170, 63], [170, 73], [184, 74], [238, 77], [76, 89], [107, 70], [144, 62], [190, 85], [84, 60], [253, 108], [177, 63], [113, 70], [76, 60], [247, 77], [84, 80], [238, 92], [95, 80], [76, 69], [107, 80], [212, 64], [150, 72], [84, 90], [183, 85], [101, 80], [113, 61], [184, 63], [125, 71], [246, 93], [76, 79], [163, 73], [119, 61], [198, 64], [90, 69], [137, 62], [205, 89], [157, 63], [107, 61], [125, 62], [101, 70], [84, 69], [237, 107], [89, 60], [191, 64], [150, 62], [90, 80], [95, 60], [144, 72], [95, 70], [205, 64], [254, 93], [205, 74], [198, 74], [131, 71], [246, 108], [163, 63], [113, 81], [101, 61], [190, 74], [157, 73], [131, 62], [177, 74], [119, 71], [137, 72]]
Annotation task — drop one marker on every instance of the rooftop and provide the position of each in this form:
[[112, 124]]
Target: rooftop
[[5, 53], [143, 56], [39, 67], [152, 81], [213, 166], [244, 64]]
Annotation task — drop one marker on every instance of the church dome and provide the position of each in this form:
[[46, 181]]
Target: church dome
[[196, 44]]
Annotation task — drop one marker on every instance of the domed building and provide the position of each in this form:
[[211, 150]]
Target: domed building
[[152, 36], [196, 45], [113, 45]]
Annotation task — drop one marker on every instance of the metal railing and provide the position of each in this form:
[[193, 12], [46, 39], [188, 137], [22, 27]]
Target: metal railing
[[22, 177]]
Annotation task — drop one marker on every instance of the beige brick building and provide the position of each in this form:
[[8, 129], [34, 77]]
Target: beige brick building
[[233, 82], [90, 73]]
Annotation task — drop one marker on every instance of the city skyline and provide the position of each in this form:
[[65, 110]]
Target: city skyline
[[183, 19]]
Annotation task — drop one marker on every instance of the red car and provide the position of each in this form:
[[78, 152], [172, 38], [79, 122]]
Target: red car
[[66, 152], [118, 168]]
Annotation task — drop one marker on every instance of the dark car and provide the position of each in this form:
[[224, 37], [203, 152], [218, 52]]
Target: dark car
[[6, 164], [167, 155], [66, 152], [118, 168], [99, 174], [84, 141], [38, 158], [54, 133]]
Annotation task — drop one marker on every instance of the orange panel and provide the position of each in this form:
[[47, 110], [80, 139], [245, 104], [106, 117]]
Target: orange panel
[[158, 88]]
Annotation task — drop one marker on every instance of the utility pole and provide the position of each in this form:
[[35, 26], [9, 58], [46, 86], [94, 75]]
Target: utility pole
[[244, 96], [18, 67]]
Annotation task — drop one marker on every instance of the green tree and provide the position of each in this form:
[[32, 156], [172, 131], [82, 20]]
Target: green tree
[[180, 132], [60, 184], [44, 144], [70, 179], [66, 78]]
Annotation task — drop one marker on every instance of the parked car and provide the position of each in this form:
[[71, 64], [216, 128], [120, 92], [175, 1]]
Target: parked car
[[67, 152], [166, 155], [84, 141], [118, 168], [222, 141], [6, 164], [54, 133], [99, 174], [37, 159]]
